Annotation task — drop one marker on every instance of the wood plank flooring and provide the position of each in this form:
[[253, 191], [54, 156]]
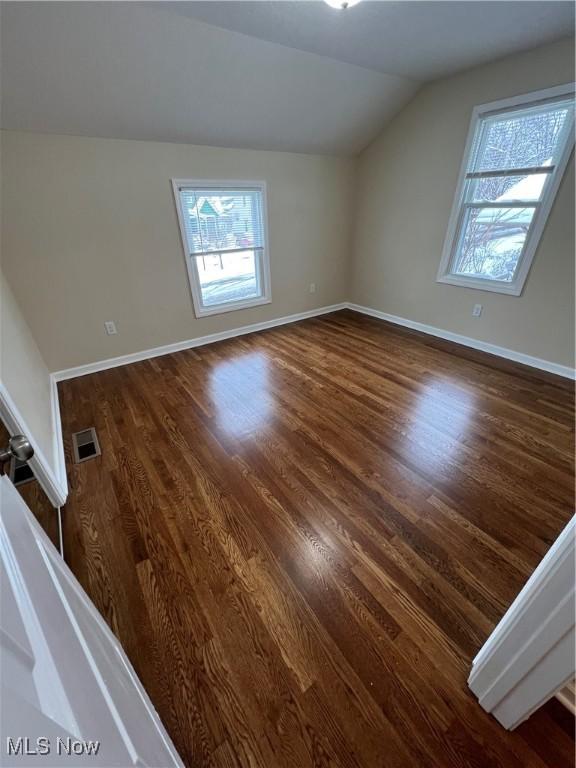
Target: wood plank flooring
[[303, 536]]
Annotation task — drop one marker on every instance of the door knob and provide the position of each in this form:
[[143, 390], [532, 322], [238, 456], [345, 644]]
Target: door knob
[[19, 447]]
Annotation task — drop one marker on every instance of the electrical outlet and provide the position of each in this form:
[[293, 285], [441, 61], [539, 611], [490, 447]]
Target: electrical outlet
[[312, 288], [110, 326], [477, 311]]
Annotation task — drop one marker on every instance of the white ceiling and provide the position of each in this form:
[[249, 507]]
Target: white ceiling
[[154, 71], [420, 40], [124, 70]]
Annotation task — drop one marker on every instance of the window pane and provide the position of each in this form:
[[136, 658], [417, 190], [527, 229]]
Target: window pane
[[222, 220], [520, 139], [229, 277], [505, 188], [491, 242]]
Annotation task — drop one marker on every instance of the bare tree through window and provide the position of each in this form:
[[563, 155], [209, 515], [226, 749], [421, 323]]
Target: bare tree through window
[[510, 164]]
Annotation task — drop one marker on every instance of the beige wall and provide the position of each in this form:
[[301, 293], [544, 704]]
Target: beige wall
[[90, 234], [405, 188], [24, 374], [90, 231]]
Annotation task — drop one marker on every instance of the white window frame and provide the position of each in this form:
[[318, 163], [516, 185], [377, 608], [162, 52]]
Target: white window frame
[[232, 306], [543, 207]]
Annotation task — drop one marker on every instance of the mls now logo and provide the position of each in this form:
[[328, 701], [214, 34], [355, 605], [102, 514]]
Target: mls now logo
[[22, 745]]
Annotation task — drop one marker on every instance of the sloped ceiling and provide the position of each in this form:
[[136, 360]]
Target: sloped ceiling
[[126, 71], [156, 72], [418, 39]]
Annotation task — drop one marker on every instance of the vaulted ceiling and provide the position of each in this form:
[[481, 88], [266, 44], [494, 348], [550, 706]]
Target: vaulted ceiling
[[420, 40], [294, 76]]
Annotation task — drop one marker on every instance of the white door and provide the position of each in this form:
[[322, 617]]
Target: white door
[[69, 695]]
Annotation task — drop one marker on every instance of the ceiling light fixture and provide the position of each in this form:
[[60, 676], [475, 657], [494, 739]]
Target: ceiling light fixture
[[341, 5]]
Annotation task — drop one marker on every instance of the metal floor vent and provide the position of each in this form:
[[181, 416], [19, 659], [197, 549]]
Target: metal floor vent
[[85, 445], [20, 472]]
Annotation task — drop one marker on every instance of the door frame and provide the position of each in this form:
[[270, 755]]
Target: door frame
[[50, 474], [529, 657]]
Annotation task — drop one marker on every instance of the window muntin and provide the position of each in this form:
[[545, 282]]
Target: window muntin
[[507, 188], [224, 236], [510, 174]]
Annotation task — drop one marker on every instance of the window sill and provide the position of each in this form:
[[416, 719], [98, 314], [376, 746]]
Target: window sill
[[492, 286], [220, 309]]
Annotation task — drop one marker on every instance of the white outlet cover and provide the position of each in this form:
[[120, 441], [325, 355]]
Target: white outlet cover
[[110, 326], [477, 311], [312, 287]]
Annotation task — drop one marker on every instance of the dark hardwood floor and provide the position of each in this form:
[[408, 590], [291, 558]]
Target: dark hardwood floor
[[303, 536]]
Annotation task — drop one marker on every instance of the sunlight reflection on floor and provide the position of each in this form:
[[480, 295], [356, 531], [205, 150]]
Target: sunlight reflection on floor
[[240, 393]]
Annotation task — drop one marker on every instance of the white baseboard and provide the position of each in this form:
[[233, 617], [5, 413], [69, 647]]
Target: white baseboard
[[567, 697], [58, 448], [467, 341], [53, 482], [167, 349]]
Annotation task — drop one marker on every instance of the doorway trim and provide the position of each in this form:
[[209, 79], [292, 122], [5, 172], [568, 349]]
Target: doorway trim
[[50, 475], [529, 657]]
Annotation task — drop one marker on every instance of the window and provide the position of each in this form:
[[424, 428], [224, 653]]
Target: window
[[223, 227], [515, 156]]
